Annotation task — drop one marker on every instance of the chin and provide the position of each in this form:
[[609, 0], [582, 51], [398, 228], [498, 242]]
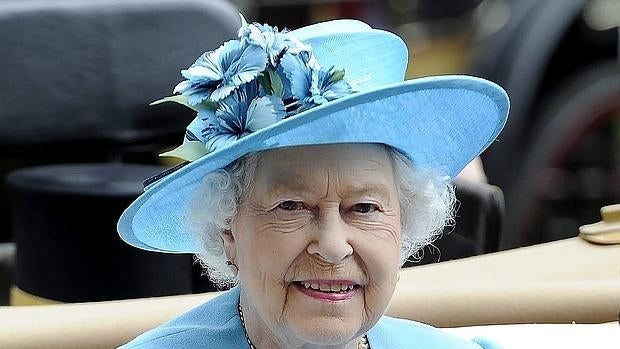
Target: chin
[[325, 330]]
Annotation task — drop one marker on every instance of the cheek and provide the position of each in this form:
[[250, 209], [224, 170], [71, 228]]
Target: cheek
[[381, 258], [379, 250], [268, 251], [266, 258]]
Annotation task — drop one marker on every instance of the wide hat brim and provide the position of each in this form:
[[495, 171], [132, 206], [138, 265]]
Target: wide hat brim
[[440, 123]]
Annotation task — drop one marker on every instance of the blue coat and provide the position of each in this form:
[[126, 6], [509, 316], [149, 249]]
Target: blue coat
[[216, 324]]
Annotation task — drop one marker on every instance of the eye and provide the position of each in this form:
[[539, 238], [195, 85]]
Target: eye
[[291, 205], [365, 208]]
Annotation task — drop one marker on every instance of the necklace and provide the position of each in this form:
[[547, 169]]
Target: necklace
[[362, 344]]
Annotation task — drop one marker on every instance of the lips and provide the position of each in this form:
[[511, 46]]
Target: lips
[[328, 290]]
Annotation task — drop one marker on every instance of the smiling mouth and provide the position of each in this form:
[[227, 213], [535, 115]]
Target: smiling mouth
[[328, 291], [328, 287]]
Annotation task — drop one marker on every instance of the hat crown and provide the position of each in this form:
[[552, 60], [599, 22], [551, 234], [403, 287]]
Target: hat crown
[[370, 57]]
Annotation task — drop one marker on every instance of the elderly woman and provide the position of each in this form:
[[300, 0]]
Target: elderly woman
[[313, 172]]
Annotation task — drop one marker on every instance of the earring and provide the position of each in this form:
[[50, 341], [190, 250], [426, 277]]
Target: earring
[[232, 265]]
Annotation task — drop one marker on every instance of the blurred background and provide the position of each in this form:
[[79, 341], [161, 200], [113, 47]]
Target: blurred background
[[77, 135]]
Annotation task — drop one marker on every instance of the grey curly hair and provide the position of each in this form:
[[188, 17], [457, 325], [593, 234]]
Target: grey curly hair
[[426, 204]]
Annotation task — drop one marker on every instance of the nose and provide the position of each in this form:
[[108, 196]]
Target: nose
[[331, 240]]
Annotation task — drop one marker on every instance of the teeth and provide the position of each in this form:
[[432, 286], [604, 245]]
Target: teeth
[[324, 287], [328, 287]]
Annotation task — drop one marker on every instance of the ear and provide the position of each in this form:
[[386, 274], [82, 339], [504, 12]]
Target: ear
[[230, 245]]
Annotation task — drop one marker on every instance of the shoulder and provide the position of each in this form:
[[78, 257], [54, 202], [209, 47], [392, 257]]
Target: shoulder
[[212, 324], [395, 333]]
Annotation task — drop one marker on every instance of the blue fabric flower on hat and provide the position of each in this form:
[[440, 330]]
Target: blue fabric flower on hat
[[248, 84], [326, 85], [216, 74], [240, 114], [311, 84], [274, 42]]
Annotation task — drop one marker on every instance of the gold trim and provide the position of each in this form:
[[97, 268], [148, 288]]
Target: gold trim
[[19, 297]]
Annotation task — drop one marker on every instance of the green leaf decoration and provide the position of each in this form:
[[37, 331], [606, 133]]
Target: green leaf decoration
[[277, 88], [244, 23], [209, 105], [337, 76], [189, 150], [180, 99], [265, 81]]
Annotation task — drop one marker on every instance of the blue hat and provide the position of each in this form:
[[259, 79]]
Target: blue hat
[[333, 82]]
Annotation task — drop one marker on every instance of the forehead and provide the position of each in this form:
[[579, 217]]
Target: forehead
[[362, 164]]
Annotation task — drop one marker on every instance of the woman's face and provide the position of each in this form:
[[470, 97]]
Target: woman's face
[[317, 243]]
